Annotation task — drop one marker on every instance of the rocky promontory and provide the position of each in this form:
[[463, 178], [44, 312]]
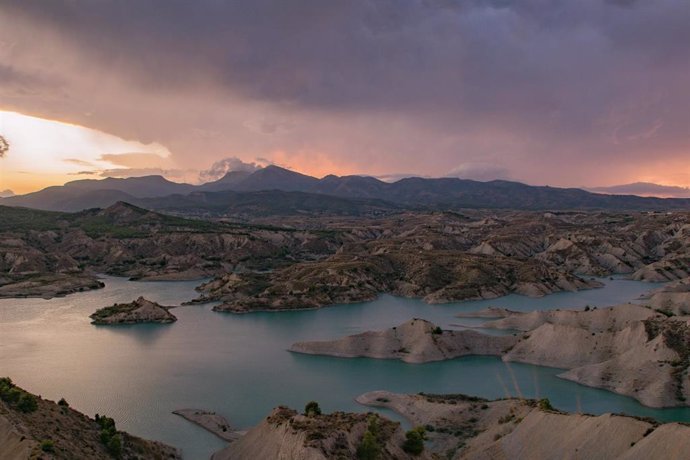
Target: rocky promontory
[[139, 311], [211, 422], [416, 341]]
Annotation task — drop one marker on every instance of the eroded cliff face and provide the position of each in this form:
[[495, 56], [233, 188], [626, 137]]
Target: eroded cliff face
[[464, 427], [287, 435]]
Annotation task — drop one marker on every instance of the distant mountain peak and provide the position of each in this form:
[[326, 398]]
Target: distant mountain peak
[[645, 189]]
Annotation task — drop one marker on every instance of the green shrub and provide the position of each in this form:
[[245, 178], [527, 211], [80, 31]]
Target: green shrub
[[47, 446], [369, 448], [114, 445], [27, 403], [414, 441], [312, 408], [63, 403], [20, 399], [437, 330], [13, 395], [545, 404], [108, 435]]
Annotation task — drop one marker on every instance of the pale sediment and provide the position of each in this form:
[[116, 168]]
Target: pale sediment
[[210, 421]]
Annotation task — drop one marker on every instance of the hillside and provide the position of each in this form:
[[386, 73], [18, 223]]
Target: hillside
[[35, 428]]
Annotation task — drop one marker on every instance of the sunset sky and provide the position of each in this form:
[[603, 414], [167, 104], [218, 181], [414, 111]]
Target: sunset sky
[[565, 93]]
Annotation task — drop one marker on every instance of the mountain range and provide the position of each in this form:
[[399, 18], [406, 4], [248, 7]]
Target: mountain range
[[275, 190]]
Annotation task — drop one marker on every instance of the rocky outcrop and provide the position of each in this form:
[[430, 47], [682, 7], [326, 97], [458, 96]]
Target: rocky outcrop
[[47, 286], [674, 298], [464, 427], [211, 422], [416, 341], [139, 311], [287, 435], [55, 431]]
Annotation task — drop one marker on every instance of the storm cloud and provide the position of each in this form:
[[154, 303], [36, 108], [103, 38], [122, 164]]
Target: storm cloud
[[564, 92]]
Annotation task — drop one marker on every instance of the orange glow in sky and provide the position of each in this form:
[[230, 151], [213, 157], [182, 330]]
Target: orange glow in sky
[[48, 152]]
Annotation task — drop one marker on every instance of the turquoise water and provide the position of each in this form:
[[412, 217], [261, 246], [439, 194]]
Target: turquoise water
[[238, 365]]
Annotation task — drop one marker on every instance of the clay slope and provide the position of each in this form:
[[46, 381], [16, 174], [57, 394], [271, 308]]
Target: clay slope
[[673, 298], [416, 341], [55, 431], [628, 349]]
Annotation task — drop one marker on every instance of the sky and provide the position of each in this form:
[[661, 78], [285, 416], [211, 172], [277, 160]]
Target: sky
[[565, 93]]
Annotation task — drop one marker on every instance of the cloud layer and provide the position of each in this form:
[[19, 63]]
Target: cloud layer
[[567, 93]]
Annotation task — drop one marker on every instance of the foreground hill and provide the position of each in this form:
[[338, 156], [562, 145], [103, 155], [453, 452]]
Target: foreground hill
[[462, 427], [413, 192], [35, 428]]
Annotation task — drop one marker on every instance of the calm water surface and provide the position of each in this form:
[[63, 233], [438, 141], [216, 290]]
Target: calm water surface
[[238, 365]]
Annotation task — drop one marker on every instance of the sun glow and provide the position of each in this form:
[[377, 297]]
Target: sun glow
[[47, 152]]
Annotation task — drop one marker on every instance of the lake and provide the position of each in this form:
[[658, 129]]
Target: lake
[[238, 366]]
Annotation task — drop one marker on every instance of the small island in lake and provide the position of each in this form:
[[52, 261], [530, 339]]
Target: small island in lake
[[139, 311]]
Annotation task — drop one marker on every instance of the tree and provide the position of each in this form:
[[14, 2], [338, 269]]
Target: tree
[[114, 446], [27, 403], [545, 404], [312, 408], [369, 448], [414, 441]]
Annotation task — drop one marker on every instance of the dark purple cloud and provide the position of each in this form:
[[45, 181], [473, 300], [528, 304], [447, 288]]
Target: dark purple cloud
[[529, 87]]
